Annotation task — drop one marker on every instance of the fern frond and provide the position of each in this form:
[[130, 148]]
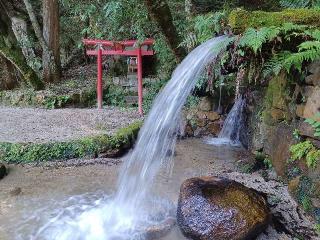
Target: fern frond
[[308, 52], [190, 41], [310, 45], [315, 34], [275, 64], [291, 27], [254, 39]]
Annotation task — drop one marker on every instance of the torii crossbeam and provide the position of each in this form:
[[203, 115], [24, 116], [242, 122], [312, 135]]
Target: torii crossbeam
[[104, 47]]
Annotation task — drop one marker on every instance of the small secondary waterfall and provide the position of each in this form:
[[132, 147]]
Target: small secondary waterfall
[[234, 130], [235, 122], [134, 206]]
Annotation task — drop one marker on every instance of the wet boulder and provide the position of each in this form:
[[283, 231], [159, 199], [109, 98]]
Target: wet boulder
[[216, 208]]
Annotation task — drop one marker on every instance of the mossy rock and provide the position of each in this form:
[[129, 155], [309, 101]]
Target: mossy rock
[[88, 146], [240, 19], [276, 100]]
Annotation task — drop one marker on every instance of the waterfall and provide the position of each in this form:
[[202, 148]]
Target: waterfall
[[235, 122], [157, 138], [234, 130], [134, 205]]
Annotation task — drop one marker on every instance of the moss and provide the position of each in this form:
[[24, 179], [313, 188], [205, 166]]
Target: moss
[[240, 19], [276, 100], [88, 146], [15, 56]]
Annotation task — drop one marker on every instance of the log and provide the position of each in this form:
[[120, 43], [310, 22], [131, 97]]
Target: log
[[240, 19]]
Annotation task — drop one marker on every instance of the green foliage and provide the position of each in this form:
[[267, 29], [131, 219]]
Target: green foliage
[[305, 150], [115, 96], [317, 227], [254, 39], [192, 101], [153, 90], [204, 27], [56, 102], [88, 146], [240, 19], [300, 150], [312, 158], [307, 204], [308, 51], [315, 124], [304, 192], [296, 134], [268, 163]]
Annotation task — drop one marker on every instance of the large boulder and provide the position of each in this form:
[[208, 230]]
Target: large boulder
[[216, 208]]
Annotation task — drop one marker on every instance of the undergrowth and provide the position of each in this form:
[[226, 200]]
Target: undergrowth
[[88, 146]]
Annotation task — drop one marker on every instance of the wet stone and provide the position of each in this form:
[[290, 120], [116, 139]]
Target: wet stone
[[215, 208]]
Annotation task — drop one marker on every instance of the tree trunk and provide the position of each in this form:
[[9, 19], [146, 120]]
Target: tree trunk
[[51, 71], [19, 27], [160, 13], [51, 29]]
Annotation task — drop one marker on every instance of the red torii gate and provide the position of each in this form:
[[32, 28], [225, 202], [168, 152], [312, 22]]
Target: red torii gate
[[105, 47]]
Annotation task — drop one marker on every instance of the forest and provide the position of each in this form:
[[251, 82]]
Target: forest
[[199, 120]]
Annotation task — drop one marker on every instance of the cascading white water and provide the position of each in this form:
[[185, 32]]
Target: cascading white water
[[133, 208], [156, 142], [233, 127]]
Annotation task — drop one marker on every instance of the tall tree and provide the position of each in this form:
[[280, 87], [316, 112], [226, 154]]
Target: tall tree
[[160, 12], [51, 30], [47, 38]]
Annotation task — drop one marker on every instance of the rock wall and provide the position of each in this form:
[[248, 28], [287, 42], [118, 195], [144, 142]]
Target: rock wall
[[279, 111], [201, 120]]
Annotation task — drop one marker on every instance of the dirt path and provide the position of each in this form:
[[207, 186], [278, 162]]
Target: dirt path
[[41, 125]]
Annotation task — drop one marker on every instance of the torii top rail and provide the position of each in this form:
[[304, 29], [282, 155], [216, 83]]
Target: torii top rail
[[104, 47]]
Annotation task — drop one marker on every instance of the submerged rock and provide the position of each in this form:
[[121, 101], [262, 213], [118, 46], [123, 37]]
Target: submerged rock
[[216, 208]]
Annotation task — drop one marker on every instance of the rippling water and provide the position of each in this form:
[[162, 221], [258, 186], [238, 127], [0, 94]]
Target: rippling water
[[132, 209]]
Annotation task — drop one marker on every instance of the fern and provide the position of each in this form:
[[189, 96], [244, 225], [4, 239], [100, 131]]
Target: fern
[[315, 124], [275, 64], [291, 27], [204, 28], [300, 150], [308, 51], [313, 158], [254, 39]]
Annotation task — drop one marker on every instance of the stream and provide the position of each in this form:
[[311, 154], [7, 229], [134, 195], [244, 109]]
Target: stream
[[51, 196]]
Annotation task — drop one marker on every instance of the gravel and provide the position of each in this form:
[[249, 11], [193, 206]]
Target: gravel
[[25, 125]]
